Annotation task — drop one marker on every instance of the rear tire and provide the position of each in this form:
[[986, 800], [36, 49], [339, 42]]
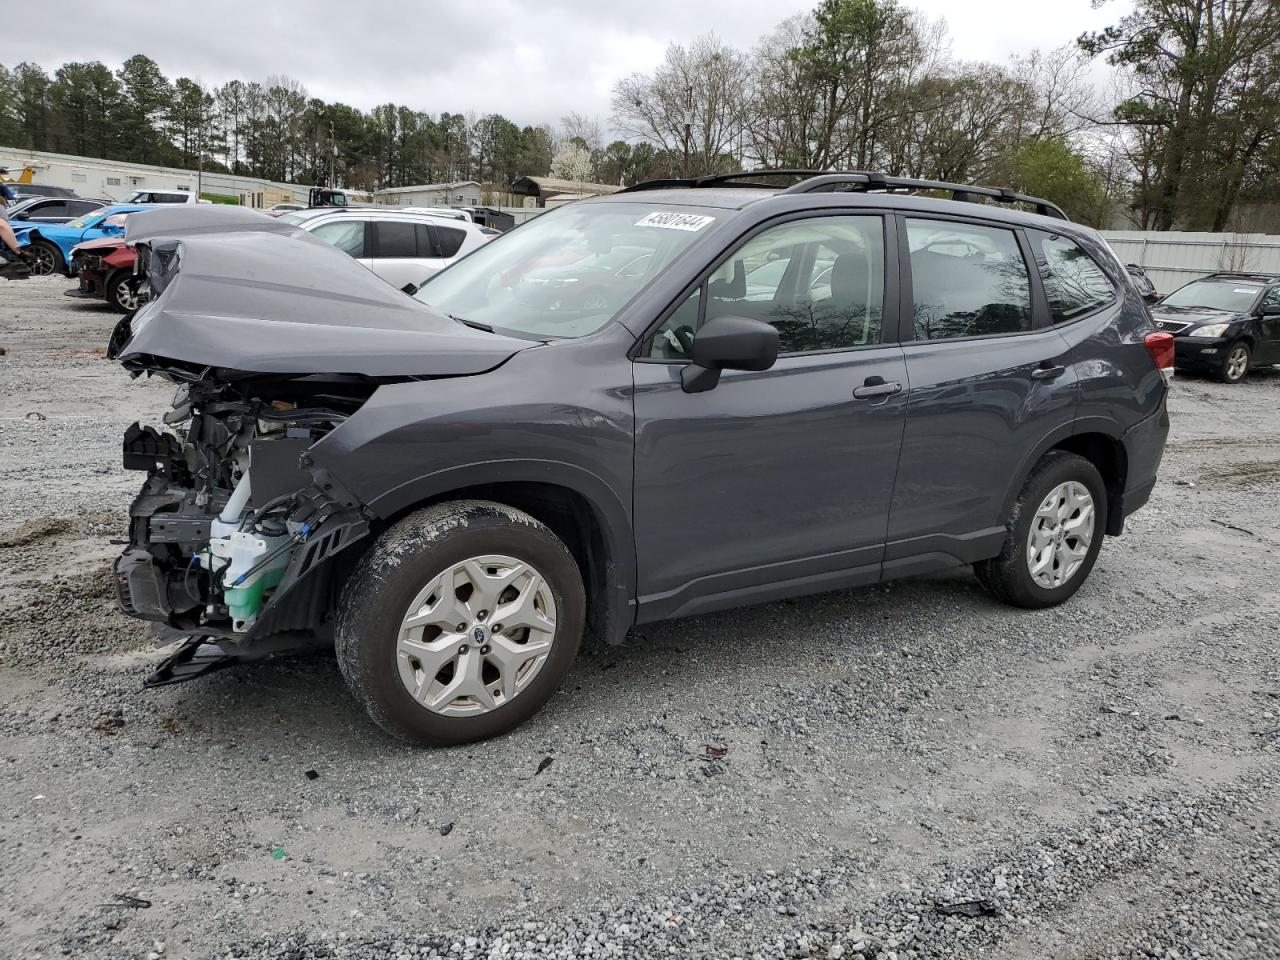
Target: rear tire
[[1235, 365], [429, 680], [121, 290], [46, 259], [1065, 501]]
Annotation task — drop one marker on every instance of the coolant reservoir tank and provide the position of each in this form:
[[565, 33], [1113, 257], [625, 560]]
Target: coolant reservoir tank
[[241, 551]]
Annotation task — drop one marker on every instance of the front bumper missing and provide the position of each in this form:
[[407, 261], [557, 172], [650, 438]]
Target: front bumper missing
[[301, 602]]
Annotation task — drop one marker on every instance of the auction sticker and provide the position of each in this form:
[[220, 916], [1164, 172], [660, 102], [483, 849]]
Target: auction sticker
[[675, 221]]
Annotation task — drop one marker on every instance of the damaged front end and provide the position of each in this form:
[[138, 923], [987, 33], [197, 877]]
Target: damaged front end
[[232, 536], [274, 339]]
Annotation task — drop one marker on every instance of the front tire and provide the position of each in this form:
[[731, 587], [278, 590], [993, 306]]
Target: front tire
[[1235, 365], [1055, 531], [460, 622], [121, 291], [46, 258]]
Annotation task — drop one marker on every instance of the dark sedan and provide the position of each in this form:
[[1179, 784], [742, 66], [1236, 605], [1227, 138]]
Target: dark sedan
[[1224, 324]]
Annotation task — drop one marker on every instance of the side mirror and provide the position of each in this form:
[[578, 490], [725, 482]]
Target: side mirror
[[728, 343], [1270, 310]]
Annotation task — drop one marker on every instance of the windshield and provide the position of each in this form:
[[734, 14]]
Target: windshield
[[1214, 295], [568, 272], [91, 220], [294, 218]]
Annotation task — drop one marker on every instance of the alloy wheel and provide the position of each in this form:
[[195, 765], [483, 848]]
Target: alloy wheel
[[1237, 362], [127, 295], [1061, 534], [43, 262], [476, 635]]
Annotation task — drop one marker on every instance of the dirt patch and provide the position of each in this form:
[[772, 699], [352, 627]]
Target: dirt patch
[[33, 531], [1257, 473]]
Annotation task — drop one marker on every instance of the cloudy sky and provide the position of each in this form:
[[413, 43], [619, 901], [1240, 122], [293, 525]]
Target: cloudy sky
[[532, 62]]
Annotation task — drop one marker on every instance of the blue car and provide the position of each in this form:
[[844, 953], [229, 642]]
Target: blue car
[[51, 243]]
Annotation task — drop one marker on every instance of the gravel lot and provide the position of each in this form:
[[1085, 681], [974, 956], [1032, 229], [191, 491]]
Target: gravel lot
[[1100, 778]]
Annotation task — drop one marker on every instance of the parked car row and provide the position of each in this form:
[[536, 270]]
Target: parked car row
[[403, 247]]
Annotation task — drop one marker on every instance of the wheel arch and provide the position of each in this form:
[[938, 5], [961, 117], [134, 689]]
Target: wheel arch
[[577, 506], [60, 255], [1100, 442]]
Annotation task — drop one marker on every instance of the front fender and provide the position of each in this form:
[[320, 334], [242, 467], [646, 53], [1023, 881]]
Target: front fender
[[554, 415]]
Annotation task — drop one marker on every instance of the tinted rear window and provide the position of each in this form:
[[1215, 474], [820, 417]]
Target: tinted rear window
[[449, 240], [396, 239]]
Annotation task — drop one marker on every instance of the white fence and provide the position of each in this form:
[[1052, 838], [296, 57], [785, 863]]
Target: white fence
[[1174, 258]]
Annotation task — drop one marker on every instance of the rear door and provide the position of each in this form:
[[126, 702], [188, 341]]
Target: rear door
[[990, 380], [778, 482], [401, 252]]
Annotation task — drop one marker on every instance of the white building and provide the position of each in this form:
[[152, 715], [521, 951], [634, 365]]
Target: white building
[[115, 179], [461, 193], [92, 178]]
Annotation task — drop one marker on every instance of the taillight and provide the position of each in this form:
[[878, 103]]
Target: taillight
[[1160, 346]]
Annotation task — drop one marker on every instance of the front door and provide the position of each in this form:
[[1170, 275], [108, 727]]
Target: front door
[[1269, 349], [774, 483]]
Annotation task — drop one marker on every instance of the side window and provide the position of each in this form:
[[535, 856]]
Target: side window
[[820, 281], [674, 339], [426, 246], [48, 210], [1272, 298], [346, 235], [448, 240], [1074, 284], [394, 238], [967, 280]]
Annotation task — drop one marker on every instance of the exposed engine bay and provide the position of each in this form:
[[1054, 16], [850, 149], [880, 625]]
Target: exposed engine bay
[[232, 534]]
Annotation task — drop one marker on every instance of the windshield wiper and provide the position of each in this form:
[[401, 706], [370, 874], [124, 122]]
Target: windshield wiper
[[474, 324]]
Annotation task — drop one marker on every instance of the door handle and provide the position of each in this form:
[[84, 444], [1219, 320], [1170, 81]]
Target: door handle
[[876, 387], [1047, 371]]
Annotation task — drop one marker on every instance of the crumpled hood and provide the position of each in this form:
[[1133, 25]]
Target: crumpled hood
[[274, 302], [179, 220]]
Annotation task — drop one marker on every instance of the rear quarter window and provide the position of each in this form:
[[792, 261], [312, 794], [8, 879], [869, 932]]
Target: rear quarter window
[[1074, 284], [449, 240]]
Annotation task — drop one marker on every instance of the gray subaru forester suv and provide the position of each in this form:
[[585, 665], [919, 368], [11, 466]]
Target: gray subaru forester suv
[[687, 396]]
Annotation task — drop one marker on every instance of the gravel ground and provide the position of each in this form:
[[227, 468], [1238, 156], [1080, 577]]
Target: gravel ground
[[910, 771]]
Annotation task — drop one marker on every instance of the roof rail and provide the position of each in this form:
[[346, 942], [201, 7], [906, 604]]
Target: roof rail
[[866, 180], [720, 180], [856, 181]]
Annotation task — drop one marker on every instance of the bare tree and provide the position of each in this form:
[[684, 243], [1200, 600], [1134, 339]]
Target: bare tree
[[691, 105]]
